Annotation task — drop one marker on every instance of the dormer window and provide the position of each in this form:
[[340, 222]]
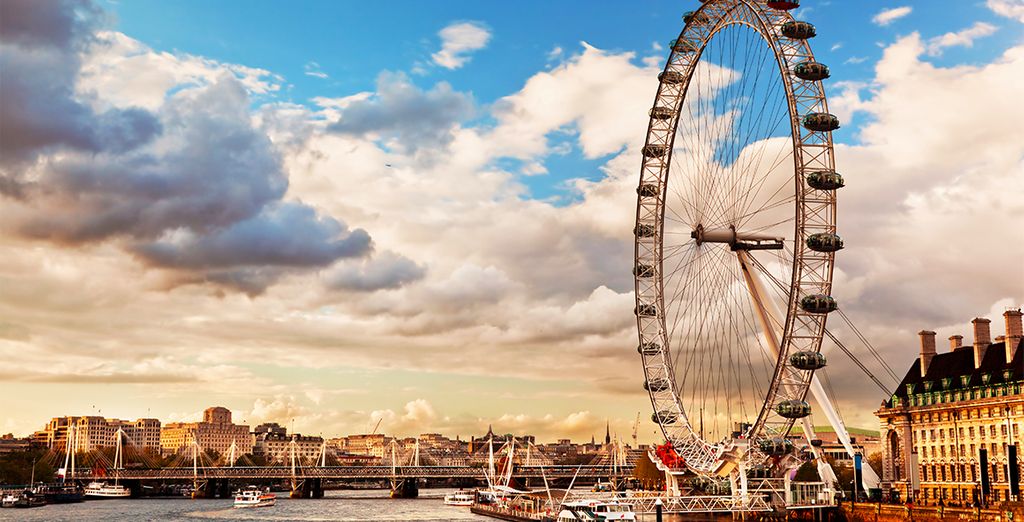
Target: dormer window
[[928, 386], [946, 382], [986, 378]]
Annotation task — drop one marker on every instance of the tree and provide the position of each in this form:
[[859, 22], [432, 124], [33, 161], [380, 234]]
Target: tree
[[16, 467]]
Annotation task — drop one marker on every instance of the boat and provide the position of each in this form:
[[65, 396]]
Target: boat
[[253, 496], [59, 493], [595, 511], [102, 490], [25, 499], [460, 498]]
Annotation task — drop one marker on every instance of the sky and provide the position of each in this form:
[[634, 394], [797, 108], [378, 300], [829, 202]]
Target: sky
[[329, 214]]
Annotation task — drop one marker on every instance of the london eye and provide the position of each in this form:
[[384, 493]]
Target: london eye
[[736, 236]]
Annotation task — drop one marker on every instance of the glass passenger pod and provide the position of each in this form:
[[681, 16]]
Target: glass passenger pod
[[825, 180], [661, 113], [820, 122], [664, 417], [649, 348], [793, 409], [824, 242], [648, 190], [654, 150], [644, 230], [812, 71], [775, 447], [818, 304], [807, 360], [799, 30], [681, 45], [783, 5], [670, 77], [691, 16], [643, 270], [646, 310], [657, 385]]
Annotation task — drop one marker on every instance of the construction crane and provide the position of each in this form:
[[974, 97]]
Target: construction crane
[[636, 426], [376, 426]]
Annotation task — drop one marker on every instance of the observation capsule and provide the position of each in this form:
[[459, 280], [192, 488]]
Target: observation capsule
[[793, 409], [799, 30], [654, 150], [825, 180], [821, 122], [643, 230], [646, 310], [682, 45], [690, 16], [657, 385], [664, 417], [648, 190], [649, 348], [670, 77], [812, 71], [807, 360], [784, 5], [775, 447], [818, 304], [642, 270], [661, 113], [824, 242], [817, 443]]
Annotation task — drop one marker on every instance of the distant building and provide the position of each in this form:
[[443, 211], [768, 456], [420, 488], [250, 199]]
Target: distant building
[[279, 447], [864, 442], [370, 445], [93, 432], [953, 425], [10, 444], [216, 432]]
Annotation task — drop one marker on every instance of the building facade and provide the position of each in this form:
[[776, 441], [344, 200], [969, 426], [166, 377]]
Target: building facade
[[215, 432], [951, 430], [92, 432], [279, 447]]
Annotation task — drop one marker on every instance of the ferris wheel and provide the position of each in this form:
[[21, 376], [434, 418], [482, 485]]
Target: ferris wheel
[[736, 235]]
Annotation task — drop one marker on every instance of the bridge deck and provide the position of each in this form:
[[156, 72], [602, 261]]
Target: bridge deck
[[341, 472]]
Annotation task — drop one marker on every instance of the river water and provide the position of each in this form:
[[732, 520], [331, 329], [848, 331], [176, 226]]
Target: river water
[[341, 506], [372, 505]]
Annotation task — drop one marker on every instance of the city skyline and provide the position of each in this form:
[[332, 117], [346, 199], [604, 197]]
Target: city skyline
[[445, 240]]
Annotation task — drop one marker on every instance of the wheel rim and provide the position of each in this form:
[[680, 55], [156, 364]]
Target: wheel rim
[[706, 172]]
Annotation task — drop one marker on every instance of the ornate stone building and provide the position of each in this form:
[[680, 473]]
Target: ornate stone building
[[951, 430], [216, 432]]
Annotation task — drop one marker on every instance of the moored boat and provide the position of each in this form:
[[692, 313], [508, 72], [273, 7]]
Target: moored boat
[[60, 493], [596, 511], [102, 490], [460, 498], [253, 496]]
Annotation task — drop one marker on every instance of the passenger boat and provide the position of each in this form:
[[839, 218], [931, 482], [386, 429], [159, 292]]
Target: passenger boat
[[595, 511], [253, 496], [460, 498], [25, 499], [59, 493], [102, 490]]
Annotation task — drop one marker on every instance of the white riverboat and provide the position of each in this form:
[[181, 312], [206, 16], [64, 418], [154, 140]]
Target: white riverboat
[[596, 511], [460, 498], [253, 496], [102, 490]]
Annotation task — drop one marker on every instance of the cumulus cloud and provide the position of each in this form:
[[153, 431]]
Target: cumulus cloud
[[458, 41], [386, 271], [1008, 8], [964, 38], [189, 183], [404, 116], [888, 16]]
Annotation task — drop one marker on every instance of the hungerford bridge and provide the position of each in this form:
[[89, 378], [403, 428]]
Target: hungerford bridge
[[402, 468]]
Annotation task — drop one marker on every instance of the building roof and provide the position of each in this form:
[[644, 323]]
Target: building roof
[[958, 364]]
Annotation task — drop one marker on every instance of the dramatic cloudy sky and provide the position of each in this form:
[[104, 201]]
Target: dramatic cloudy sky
[[336, 213]]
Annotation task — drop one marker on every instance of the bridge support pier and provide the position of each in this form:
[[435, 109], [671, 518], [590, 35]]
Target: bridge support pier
[[405, 488], [317, 488]]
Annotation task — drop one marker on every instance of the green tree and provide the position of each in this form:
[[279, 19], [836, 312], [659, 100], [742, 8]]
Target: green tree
[[16, 467]]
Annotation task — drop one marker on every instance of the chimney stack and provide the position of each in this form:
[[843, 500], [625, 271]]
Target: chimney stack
[[982, 338], [1014, 332], [927, 349], [955, 341]]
